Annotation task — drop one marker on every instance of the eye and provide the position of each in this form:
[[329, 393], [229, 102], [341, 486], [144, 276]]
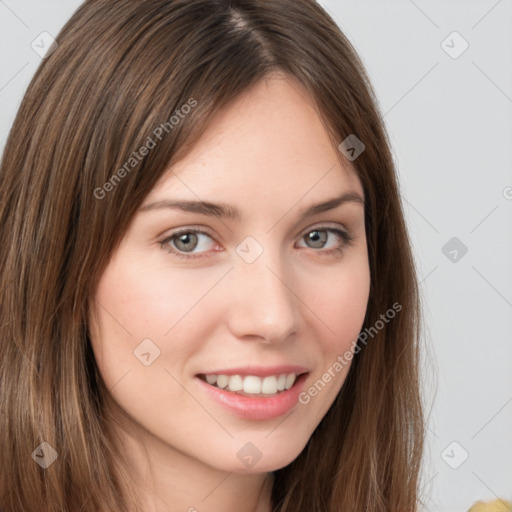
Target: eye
[[318, 237], [184, 242]]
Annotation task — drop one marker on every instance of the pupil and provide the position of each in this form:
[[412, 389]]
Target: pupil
[[315, 237], [186, 238]]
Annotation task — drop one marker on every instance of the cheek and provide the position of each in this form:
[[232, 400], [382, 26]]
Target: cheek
[[150, 300], [137, 302], [341, 305]]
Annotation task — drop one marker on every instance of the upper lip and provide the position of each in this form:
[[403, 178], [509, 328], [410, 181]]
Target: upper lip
[[259, 371]]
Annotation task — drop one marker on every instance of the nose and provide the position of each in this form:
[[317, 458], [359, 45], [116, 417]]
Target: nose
[[262, 300]]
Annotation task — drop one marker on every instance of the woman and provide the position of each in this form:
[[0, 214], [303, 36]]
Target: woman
[[273, 369]]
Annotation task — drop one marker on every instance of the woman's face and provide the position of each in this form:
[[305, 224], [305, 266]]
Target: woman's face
[[271, 291]]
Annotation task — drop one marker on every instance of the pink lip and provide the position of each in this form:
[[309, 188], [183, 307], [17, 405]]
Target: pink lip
[[257, 408], [259, 371]]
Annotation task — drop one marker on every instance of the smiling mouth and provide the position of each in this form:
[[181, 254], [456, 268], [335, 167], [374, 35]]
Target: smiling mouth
[[252, 385]]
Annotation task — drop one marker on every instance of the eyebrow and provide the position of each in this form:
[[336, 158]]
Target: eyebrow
[[227, 211]]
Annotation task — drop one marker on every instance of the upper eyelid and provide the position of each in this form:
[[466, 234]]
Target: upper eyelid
[[206, 231]]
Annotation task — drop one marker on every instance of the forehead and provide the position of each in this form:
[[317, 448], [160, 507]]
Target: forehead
[[269, 143]]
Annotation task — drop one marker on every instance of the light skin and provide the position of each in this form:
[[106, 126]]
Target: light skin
[[299, 302]]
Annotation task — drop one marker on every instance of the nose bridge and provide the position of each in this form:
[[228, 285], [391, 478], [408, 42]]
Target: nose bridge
[[263, 302]]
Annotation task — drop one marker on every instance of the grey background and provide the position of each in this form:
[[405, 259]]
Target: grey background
[[450, 125]]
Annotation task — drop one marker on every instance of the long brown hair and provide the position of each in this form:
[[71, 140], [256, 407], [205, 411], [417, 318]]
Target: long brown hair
[[123, 69]]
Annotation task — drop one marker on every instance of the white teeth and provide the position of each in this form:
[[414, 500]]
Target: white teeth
[[235, 383], [211, 379], [290, 379], [269, 385], [222, 381], [252, 384], [281, 381]]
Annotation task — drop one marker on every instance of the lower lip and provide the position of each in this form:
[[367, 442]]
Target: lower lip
[[257, 408]]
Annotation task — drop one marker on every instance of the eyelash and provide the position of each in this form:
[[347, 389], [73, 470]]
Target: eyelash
[[347, 241]]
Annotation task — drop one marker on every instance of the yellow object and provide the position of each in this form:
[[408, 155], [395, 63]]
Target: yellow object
[[492, 506]]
